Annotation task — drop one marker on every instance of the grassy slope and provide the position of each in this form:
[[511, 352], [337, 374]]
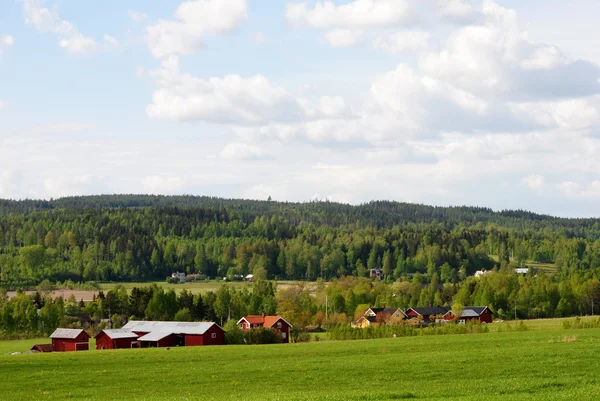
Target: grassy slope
[[507, 366]]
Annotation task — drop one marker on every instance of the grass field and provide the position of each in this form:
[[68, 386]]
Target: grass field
[[535, 365], [196, 287]]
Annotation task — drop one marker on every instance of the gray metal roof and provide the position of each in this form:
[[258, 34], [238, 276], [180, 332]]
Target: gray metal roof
[[66, 333], [119, 333], [469, 313], [169, 327], [154, 336]]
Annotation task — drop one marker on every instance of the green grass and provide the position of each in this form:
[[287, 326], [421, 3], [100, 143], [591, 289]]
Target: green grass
[[534, 365]]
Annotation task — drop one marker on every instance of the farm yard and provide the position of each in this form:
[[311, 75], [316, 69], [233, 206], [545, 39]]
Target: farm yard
[[548, 364]]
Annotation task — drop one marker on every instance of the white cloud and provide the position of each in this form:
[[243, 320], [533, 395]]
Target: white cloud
[[229, 100], [194, 21], [5, 42], [137, 16], [357, 14], [404, 41], [70, 39], [242, 151], [343, 37], [533, 181], [2, 105], [111, 41]]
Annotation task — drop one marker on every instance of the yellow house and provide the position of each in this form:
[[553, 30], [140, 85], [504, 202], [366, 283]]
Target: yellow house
[[386, 316]]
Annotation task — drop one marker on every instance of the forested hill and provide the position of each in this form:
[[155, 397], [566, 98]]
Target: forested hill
[[376, 214]]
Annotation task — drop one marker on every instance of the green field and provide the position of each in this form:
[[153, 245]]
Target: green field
[[552, 364], [195, 287]]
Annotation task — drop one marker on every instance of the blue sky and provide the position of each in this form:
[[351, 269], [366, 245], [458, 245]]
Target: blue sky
[[445, 102]]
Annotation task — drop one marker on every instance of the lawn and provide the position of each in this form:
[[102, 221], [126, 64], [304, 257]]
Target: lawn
[[534, 365]]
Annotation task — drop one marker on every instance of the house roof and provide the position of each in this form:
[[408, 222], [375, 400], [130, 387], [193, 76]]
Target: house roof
[[67, 333], [117, 333], [170, 327], [432, 310], [265, 321], [42, 348], [473, 311], [387, 311]]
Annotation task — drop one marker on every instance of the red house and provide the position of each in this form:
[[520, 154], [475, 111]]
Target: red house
[[172, 334], [481, 313], [427, 314], [116, 339], [274, 322], [67, 340]]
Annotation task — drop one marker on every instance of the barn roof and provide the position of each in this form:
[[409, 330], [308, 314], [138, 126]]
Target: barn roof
[[432, 310], [67, 333], [42, 348], [387, 311], [117, 333], [155, 336], [169, 327]]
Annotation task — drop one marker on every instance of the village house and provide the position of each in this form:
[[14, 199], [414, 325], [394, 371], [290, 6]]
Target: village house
[[277, 323], [67, 340], [178, 278], [42, 348], [377, 316], [171, 334], [483, 314]]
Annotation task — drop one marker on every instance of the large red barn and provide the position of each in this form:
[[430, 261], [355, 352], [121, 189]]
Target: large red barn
[[66, 340], [116, 339], [171, 334]]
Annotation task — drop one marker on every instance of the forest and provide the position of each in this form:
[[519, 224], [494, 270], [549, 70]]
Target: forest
[[426, 255]]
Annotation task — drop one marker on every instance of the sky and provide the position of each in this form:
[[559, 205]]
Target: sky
[[491, 103]]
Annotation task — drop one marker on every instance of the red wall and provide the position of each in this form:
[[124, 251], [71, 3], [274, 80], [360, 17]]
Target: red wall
[[206, 338], [103, 341], [285, 328], [486, 317], [69, 345]]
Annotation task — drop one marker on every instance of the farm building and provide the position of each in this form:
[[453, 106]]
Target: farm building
[[481, 313], [42, 348], [171, 334], [116, 339], [273, 322], [66, 340], [426, 315]]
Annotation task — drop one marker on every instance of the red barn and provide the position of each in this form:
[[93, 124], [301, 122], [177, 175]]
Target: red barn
[[274, 322], [171, 334], [481, 313], [428, 314], [116, 339], [67, 340]]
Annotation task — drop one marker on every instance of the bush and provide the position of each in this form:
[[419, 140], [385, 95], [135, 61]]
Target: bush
[[233, 334], [262, 335]]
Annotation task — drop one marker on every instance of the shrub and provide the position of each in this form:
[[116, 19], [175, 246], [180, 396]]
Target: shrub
[[262, 335]]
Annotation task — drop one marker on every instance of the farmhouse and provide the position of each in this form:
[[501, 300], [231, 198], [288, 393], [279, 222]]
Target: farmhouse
[[116, 339], [275, 322], [481, 313], [377, 316], [66, 340], [170, 334]]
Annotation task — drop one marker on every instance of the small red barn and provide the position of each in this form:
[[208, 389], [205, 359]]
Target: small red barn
[[481, 313], [274, 322], [67, 340], [116, 339]]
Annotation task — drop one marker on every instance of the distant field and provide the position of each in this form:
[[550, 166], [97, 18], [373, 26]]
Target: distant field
[[196, 287], [533, 365]]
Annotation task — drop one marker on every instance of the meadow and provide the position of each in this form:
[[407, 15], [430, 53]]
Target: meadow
[[542, 364]]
